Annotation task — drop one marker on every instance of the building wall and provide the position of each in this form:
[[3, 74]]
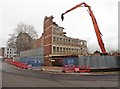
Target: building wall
[[8, 52], [47, 38], [39, 42], [61, 44], [56, 43], [24, 42], [2, 49], [68, 46]]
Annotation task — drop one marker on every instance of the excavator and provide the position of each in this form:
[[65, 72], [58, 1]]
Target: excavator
[[97, 31]]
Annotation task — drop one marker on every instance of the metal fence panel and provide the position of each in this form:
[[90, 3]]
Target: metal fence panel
[[34, 61], [70, 61], [33, 57], [98, 61], [33, 52]]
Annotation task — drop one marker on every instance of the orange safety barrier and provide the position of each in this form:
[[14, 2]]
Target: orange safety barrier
[[85, 68], [68, 68], [73, 68], [18, 64], [23, 65]]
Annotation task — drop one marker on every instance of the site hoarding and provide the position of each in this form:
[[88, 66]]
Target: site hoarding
[[94, 62]]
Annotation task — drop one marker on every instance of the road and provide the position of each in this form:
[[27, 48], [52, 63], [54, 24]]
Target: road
[[14, 77]]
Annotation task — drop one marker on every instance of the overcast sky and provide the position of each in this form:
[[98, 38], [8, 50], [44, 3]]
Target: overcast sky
[[77, 23]]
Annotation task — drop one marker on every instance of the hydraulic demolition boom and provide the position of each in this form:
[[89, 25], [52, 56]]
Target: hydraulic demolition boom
[[97, 31]]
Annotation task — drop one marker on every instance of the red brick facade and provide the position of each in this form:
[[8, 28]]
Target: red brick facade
[[56, 43], [47, 39], [39, 42]]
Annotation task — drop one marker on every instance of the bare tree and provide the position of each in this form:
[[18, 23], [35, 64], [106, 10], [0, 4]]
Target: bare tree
[[29, 29], [24, 42], [23, 37], [11, 41]]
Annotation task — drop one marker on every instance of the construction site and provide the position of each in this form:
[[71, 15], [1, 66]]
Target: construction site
[[71, 44], [55, 48], [60, 50]]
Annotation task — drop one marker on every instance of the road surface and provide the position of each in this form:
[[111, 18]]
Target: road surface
[[14, 77]]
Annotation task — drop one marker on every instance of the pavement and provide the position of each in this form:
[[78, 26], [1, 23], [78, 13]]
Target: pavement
[[58, 70]]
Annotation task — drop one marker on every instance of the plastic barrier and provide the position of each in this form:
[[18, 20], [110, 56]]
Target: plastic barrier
[[18, 64], [73, 68], [70, 68], [85, 68], [76, 69]]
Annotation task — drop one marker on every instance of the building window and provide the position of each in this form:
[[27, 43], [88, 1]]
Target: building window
[[15, 52], [54, 38], [66, 40], [69, 40], [63, 49], [77, 50], [72, 49], [61, 39], [57, 38], [81, 43], [54, 49], [57, 49], [60, 49], [67, 49]]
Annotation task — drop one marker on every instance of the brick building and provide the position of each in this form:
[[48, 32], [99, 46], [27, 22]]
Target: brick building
[[24, 42], [56, 44]]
